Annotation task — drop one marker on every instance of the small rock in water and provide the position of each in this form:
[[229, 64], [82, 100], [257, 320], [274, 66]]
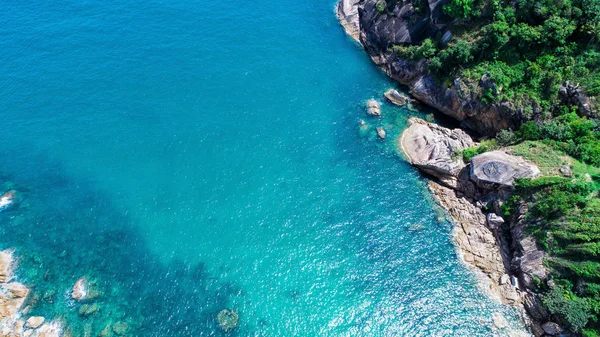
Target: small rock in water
[[228, 319], [381, 133], [395, 97], [34, 322], [80, 289], [373, 108], [7, 199], [499, 321]]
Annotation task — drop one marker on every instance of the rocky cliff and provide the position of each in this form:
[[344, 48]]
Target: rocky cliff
[[401, 23]]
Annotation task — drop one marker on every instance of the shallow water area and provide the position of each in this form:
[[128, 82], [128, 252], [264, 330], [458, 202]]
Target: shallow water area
[[188, 157]]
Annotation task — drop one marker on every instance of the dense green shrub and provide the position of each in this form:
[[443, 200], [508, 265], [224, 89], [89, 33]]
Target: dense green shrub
[[459, 9], [574, 310]]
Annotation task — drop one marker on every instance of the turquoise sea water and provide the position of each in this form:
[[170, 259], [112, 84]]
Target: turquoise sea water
[[189, 156]]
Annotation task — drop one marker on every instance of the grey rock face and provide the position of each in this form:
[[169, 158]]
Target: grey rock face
[[498, 167]]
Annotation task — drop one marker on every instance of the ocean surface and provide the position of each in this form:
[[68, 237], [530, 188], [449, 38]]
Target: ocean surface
[[190, 156]]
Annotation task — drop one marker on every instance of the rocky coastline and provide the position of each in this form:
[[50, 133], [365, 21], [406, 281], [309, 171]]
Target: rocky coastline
[[377, 31], [472, 193]]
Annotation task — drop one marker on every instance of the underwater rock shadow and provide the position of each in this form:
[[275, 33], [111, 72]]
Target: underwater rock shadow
[[66, 229]]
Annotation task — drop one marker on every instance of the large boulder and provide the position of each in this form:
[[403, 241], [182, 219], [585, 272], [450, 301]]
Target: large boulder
[[434, 149], [499, 168]]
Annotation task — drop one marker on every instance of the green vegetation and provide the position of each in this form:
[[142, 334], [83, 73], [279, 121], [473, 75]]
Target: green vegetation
[[526, 47], [471, 152]]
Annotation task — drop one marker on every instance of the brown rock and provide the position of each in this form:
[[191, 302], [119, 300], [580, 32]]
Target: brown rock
[[120, 328], [381, 133]]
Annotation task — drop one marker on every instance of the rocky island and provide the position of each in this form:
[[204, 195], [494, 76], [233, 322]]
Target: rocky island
[[522, 216]]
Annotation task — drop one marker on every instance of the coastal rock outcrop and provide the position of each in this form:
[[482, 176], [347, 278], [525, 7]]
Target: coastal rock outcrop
[[434, 149]]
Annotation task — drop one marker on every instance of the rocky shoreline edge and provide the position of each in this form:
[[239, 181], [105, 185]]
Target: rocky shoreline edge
[[472, 193]]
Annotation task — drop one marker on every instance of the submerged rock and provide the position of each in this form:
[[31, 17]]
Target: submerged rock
[[381, 133], [395, 97], [498, 167], [373, 108], [228, 319], [88, 309], [120, 328]]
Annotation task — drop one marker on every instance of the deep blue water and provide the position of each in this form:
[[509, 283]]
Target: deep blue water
[[190, 156]]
